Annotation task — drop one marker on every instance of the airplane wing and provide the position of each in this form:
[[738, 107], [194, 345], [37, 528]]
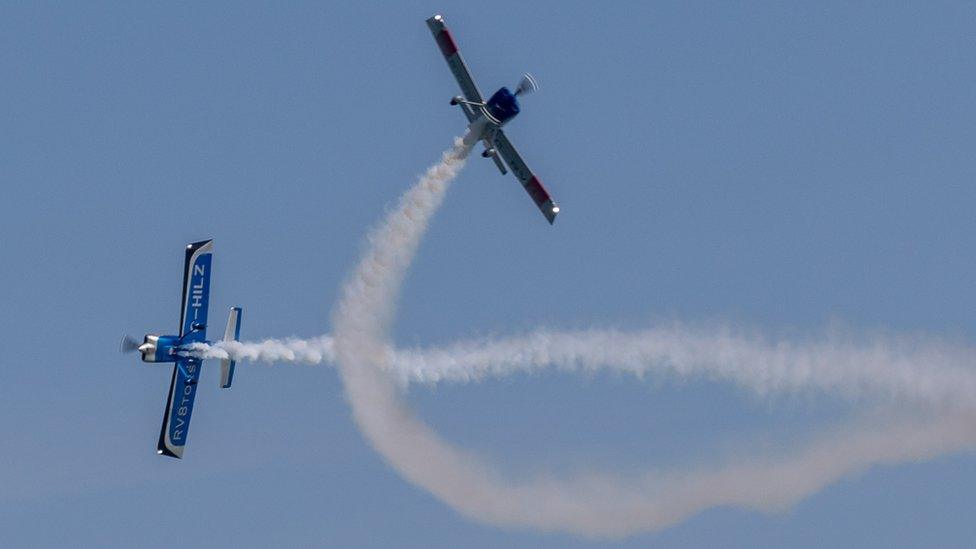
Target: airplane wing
[[193, 327], [454, 60], [196, 290], [525, 176], [179, 407]]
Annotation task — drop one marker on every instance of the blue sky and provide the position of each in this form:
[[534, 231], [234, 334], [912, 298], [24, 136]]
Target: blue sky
[[780, 167]]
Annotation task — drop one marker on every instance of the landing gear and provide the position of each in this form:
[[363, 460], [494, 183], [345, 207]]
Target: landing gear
[[456, 99], [488, 153]]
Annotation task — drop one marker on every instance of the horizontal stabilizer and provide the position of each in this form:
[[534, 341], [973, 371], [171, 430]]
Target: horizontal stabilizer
[[232, 333]]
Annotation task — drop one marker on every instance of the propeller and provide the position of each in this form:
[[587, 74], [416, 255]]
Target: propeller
[[526, 85], [128, 344]]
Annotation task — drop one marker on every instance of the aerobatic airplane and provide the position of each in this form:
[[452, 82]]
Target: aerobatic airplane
[[173, 348], [486, 118]]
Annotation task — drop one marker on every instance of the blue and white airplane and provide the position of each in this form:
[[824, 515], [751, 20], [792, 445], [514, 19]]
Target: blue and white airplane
[[486, 118], [173, 348]]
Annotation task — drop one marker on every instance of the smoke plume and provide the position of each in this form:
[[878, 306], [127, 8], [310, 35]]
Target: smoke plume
[[916, 395]]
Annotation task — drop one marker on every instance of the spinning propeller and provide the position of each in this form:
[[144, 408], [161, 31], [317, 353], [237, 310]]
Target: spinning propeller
[[129, 344], [526, 85]]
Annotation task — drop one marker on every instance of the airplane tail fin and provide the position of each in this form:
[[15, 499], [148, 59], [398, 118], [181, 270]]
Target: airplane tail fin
[[232, 333]]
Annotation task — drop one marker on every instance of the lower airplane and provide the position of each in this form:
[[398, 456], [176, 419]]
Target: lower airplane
[[173, 348]]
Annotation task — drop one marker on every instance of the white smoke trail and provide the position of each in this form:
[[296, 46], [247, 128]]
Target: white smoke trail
[[911, 369], [316, 350], [895, 370]]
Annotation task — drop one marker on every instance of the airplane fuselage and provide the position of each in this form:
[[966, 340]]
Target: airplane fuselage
[[499, 110], [167, 348], [159, 348]]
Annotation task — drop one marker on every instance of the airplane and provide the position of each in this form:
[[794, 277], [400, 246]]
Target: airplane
[[174, 348], [486, 118]]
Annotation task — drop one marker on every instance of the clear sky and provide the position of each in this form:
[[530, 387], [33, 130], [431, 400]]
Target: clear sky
[[782, 168]]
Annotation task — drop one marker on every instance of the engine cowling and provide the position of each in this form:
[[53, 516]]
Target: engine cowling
[[502, 107], [156, 348]]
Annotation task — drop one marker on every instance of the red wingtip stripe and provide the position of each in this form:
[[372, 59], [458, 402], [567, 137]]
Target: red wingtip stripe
[[446, 42], [538, 193]]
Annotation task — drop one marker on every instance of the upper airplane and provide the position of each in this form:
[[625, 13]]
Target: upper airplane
[[174, 348], [486, 118]]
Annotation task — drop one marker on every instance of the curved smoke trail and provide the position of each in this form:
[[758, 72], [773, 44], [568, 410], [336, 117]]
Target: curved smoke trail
[[920, 395]]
